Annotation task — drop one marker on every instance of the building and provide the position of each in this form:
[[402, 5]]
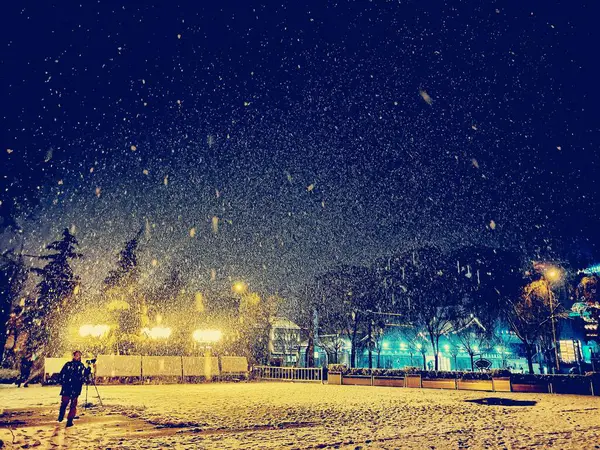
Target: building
[[284, 342]]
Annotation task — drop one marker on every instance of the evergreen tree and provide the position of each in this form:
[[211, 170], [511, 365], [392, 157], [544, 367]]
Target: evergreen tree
[[49, 313], [123, 298], [13, 275], [127, 266]]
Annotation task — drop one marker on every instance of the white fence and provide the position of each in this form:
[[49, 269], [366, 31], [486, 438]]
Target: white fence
[[202, 367], [136, 366], [112, 366], [288, 373]]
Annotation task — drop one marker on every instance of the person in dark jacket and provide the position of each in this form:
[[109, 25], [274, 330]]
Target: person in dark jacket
[[25, 369], [72, 377]]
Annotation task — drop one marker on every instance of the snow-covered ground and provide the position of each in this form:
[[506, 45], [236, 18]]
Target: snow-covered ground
[[286, 415]]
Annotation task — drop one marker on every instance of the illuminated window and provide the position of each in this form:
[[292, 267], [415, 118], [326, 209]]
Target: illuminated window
[[567, 351]]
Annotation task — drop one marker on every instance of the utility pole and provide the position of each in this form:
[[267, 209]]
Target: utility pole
[[370, 342], [552, 319]]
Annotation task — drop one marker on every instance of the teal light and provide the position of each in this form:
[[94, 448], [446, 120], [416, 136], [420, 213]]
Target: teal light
[[595, 269]]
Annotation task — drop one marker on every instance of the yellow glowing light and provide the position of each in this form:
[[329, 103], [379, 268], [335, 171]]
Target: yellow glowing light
[[207, 335], [95, 331], [118, 305], [240, 287], [553, 274], [157, 332]]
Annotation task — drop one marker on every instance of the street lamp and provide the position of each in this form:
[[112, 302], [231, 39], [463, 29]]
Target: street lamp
[[157, 332], [95, 331], [240, 287], [207, 336], [553, 275]]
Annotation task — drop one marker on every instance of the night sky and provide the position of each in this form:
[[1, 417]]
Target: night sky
[[272, 142]]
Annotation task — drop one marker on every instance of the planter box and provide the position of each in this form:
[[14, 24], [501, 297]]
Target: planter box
[[475, 385], [413, 381], [357, 380], [501, 384], [388, 381], [439, 383], [334, 378], [571, 388], [541, 388]]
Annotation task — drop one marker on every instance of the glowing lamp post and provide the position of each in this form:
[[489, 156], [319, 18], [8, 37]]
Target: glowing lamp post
[[553, 275], [94, 331], [206, 338], [157, 332], [240, 287]]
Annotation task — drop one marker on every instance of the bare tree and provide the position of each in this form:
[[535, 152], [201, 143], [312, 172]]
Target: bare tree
[[530, 316]]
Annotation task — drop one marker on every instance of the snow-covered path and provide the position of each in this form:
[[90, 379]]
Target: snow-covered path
[[285, 415]]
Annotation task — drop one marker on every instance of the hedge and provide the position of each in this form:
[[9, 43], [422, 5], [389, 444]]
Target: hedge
[[9, 376], [519, 378]]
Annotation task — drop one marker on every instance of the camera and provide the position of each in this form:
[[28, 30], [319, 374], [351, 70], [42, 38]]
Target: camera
[[91, 361]]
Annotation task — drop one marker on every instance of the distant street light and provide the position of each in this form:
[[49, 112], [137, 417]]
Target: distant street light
[[157, 332], [240, 287], [95, 331], [207, 336], [553, 275]]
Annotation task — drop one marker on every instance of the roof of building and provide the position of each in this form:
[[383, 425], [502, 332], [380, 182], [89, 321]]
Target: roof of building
[[283, 322]]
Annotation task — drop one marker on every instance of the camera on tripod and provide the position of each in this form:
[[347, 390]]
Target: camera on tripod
[[89, 370], [90, 378]]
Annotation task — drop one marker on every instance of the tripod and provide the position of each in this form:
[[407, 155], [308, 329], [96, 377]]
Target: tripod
[[91, 379]]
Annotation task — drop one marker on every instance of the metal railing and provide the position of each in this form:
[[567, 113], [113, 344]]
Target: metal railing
[[314, 374]]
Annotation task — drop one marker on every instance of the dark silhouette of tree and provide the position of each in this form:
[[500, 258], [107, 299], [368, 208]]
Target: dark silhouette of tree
[[482, 278], [347, 301], [303, 310], [431, 293], [127, 265], [254, 327], [530, 315], [49, 314], [123, 297], [588, 289], [13, 275]]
